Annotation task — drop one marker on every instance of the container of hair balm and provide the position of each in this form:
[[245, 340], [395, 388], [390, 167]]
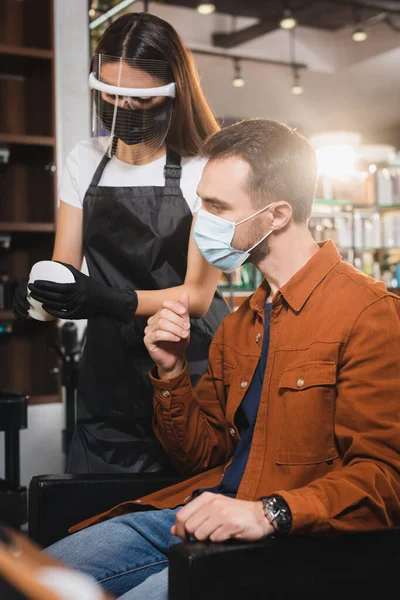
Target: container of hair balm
[[47, 270]]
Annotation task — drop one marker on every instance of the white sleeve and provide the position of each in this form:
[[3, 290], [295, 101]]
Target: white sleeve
[[69, 190], [192, 170]]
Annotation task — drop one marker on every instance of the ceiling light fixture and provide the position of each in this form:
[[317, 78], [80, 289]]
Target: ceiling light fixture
[[206, 9], [287, 21], [359, 34], [297, 88], [237, 80]]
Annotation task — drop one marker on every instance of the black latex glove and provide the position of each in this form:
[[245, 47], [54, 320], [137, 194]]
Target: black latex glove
[[21, 305], [84, 299]]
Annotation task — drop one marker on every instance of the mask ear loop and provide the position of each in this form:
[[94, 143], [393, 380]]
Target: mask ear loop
[[251, 216], [262, 239], [254, 215]]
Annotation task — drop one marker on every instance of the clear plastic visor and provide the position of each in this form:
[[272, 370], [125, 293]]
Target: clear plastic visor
[[132, 105]]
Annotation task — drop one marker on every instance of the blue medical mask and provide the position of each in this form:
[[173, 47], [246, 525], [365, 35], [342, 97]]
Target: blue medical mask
[[213, 236]]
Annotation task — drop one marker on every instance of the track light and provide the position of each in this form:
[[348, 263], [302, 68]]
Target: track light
[[359, 34], [297, 88], [237, 80], [288, 21], [206, 9]]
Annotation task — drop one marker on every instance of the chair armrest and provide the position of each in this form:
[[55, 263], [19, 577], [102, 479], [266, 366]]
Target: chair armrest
[[363, 565], [56, 502]]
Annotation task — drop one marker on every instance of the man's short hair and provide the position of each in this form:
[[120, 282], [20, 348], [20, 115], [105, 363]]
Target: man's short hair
[[283, 163]]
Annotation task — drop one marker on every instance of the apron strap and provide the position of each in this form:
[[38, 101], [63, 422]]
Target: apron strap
[[99, 171], [172, 169]]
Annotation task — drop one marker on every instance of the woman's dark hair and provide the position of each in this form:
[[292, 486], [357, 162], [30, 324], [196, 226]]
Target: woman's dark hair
[[145, 36]]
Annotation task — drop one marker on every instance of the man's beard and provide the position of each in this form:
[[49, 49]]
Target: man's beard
[[262, 250]]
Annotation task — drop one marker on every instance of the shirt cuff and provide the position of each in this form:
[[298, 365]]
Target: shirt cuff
[[308, 512], [165, 390]]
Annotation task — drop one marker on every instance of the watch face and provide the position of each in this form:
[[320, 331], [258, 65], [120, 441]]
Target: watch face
[[278, 513]]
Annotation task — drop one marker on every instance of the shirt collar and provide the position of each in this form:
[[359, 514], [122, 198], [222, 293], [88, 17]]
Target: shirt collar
[[300, 287]]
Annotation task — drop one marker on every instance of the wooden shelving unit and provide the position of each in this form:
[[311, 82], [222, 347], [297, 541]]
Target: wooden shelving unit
[[29, 52], [6, 315], [27, 226], [27, 186], [27, 140]]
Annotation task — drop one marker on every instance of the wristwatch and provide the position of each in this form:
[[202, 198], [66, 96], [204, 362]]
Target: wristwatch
[[278, 514]]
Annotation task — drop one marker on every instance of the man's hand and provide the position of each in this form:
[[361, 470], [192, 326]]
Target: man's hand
[[218, 518], [167, 334]]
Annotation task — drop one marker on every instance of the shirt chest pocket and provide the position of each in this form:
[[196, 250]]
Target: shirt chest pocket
[[307, 395], [223, 375]]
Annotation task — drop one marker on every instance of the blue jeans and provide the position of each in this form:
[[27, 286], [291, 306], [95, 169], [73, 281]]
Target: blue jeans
[[122, 553]]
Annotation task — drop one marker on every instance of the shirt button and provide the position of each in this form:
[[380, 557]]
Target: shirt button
[[243, 384], [232, 432], [166, 394], [300, 382], [258, 337]]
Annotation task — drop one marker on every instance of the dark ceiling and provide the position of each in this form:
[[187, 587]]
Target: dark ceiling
[[329, 14], [320, 14]]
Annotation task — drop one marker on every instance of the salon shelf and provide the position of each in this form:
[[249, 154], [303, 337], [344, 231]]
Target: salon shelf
[[375, 249], [375, 208], [28, 185], [27, 227], [6, 315], [388, 208], [31, 140], [26, 52], [237, 293]]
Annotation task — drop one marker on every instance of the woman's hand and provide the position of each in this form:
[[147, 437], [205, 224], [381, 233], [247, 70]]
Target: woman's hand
[[167, 335], [84, 299], [21, 305]]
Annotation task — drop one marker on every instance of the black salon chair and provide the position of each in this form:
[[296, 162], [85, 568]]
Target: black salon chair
[[56, 502], [346, 567]]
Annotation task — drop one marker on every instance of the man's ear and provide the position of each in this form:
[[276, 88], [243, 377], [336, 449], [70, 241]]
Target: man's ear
[[280, 214]]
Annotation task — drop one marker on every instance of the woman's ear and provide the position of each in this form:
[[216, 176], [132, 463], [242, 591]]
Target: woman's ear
[[281, 213]]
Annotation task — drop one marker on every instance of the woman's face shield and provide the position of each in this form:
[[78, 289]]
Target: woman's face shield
[[132, 105]]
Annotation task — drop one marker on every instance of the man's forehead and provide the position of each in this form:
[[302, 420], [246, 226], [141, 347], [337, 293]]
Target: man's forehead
[[229, 171]]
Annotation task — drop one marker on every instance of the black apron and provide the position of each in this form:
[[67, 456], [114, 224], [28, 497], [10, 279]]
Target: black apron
[[133, 238]]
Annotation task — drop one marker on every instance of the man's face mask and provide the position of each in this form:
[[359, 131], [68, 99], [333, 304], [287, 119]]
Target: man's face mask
[[213, 236]]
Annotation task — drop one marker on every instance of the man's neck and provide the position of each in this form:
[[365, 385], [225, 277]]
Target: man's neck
[[290, 251]]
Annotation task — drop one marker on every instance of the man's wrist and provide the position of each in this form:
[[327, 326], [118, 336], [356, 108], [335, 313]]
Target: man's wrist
[[171, 373], [278, 513]]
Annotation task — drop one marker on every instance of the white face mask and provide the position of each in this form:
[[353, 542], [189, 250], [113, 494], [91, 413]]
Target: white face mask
[[213, 236]]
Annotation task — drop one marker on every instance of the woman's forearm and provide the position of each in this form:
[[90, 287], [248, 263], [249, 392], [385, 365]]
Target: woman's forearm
[[150, 301]]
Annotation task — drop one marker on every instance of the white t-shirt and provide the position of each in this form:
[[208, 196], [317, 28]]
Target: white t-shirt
[[84, 159]]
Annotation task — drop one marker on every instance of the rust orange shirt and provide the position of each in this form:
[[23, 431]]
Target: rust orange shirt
[[327, 435]]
